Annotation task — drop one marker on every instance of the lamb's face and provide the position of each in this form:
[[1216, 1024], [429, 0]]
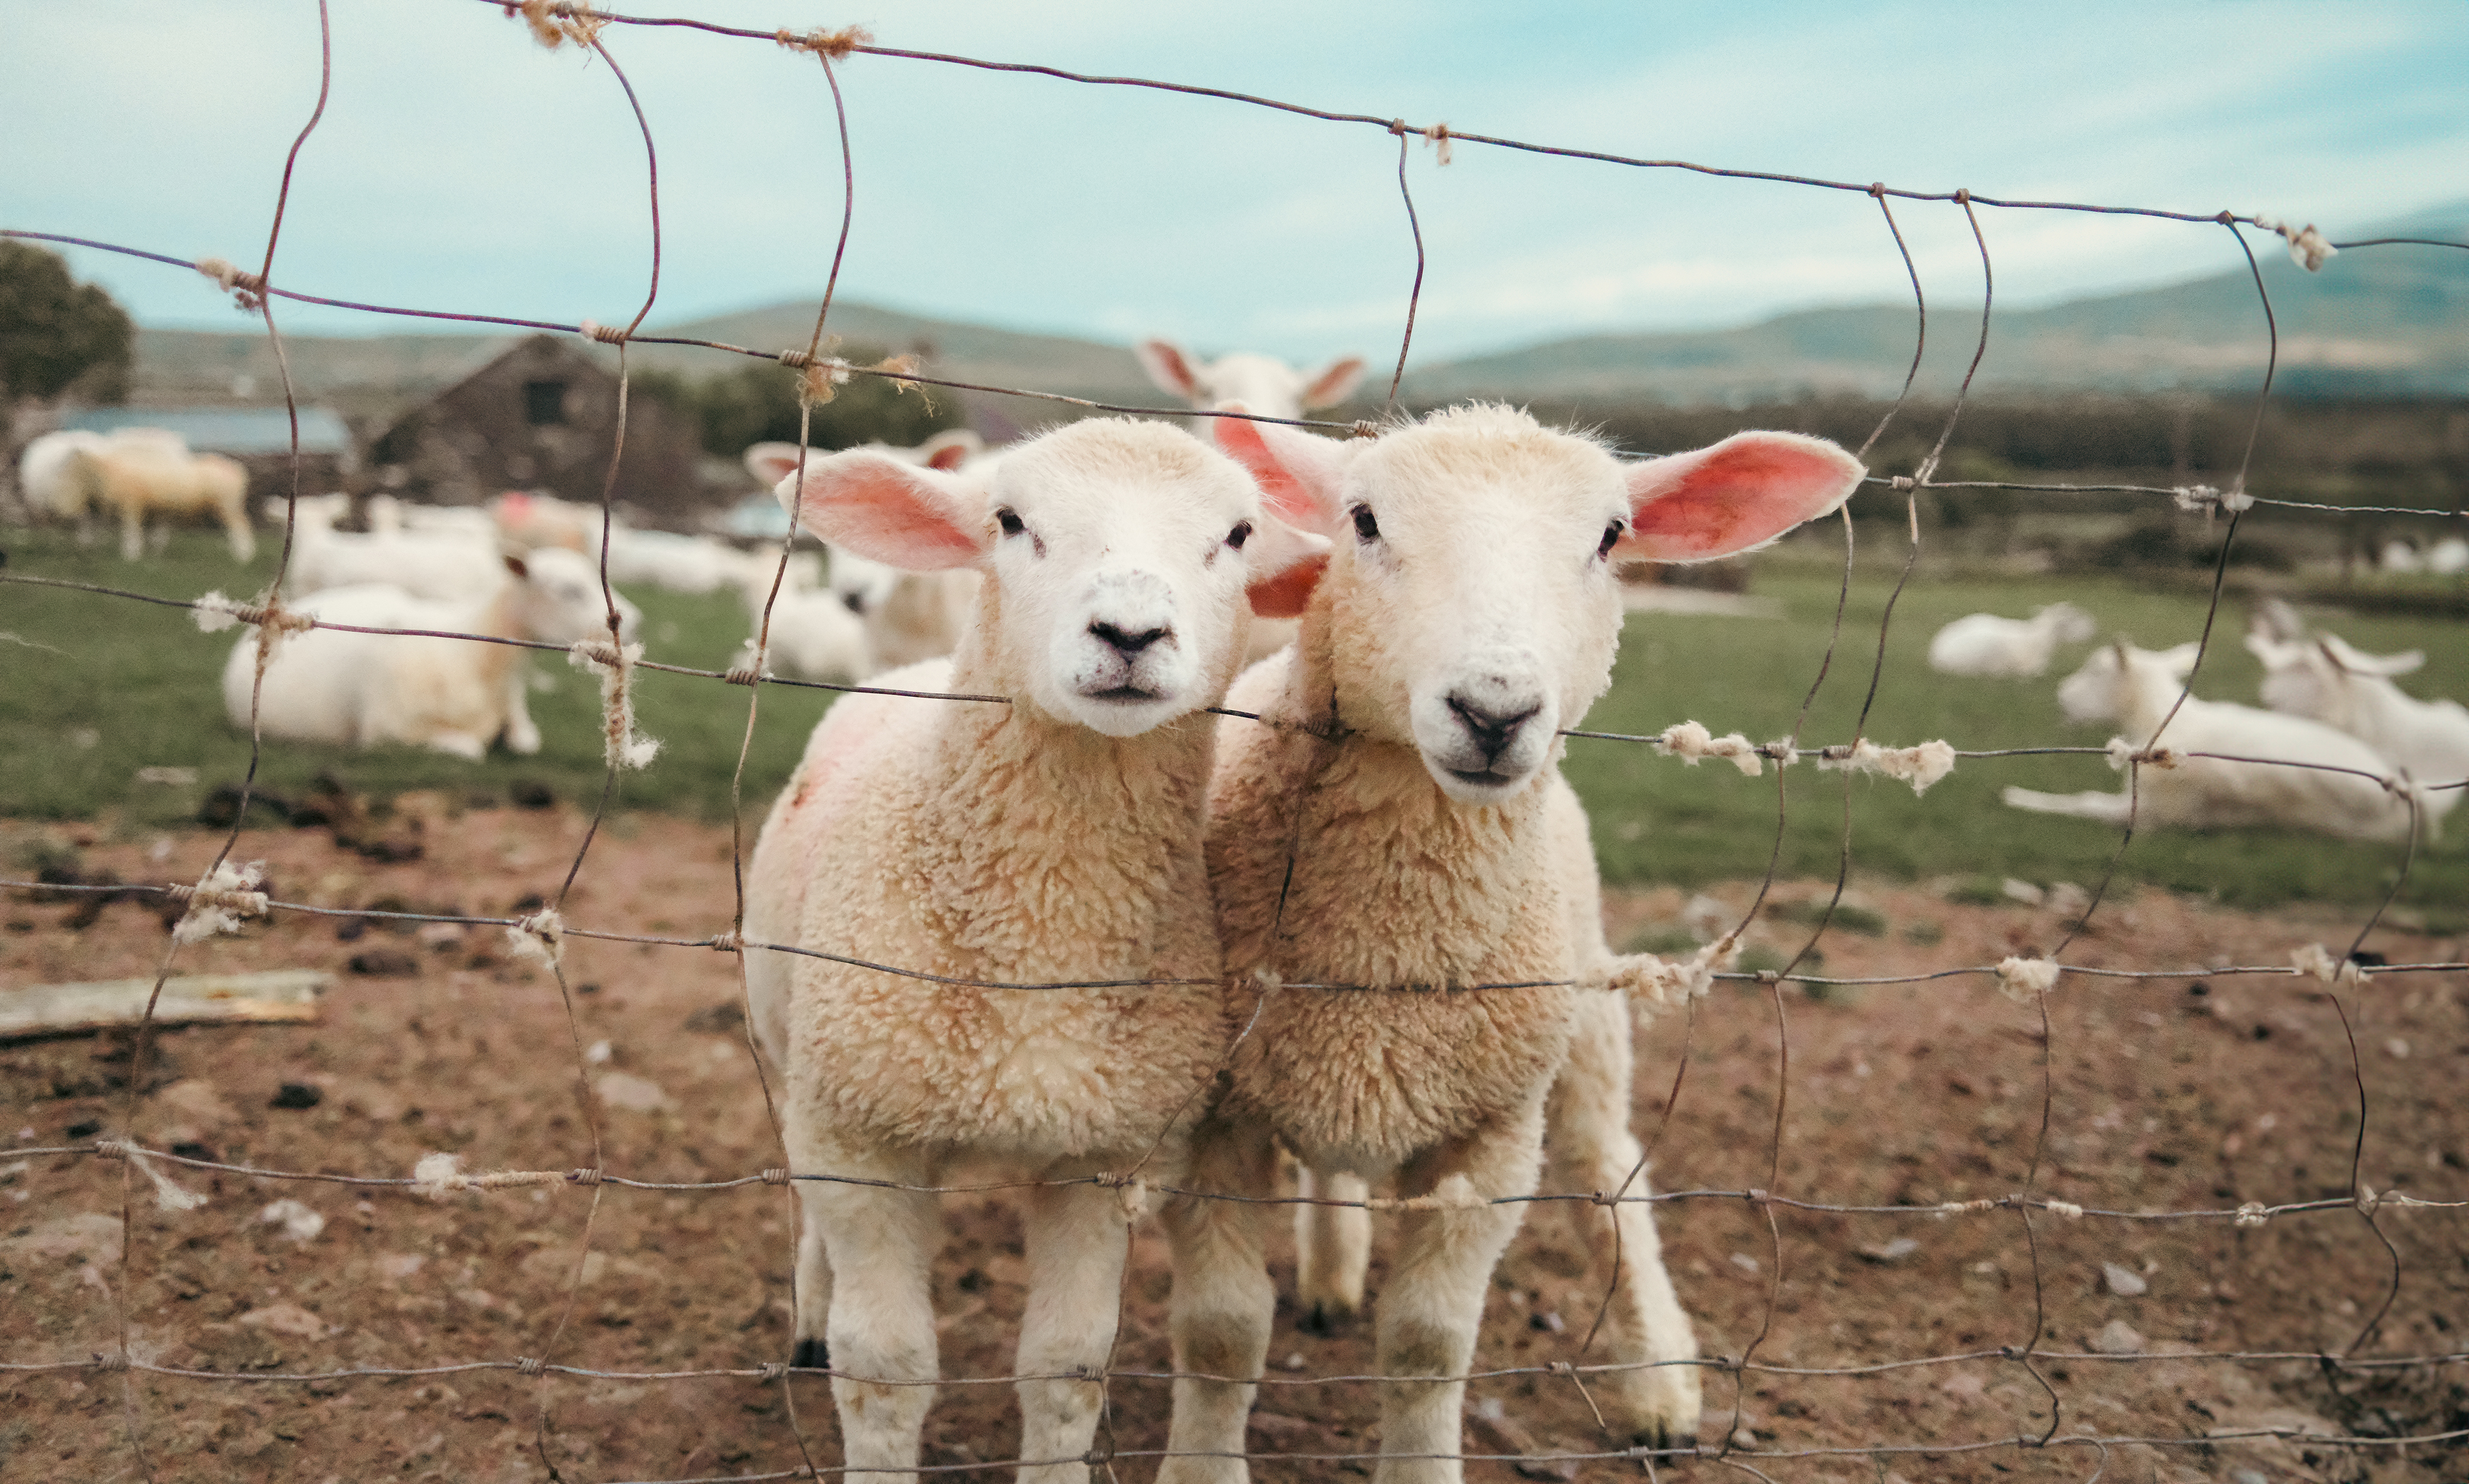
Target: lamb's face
[[1474, 597], [863, 586], [1120, 558], [560, 598], [2095, 692]]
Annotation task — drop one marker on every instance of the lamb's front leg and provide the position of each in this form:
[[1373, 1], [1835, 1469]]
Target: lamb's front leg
[[1077, 1242], [880, 1243], [1592, 1148], [1432, 1303], [522, 732], [1223, 1303]]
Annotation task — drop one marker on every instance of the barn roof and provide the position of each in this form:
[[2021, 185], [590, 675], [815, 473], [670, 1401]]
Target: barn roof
[[235, 430]]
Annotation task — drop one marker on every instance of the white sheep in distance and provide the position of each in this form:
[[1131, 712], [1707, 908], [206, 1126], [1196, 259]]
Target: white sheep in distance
[[140, 473], [43, 478], [1263, 384], [1987, 645], [813, 635], [909, 616], [439, 567], [2325, 680], [2136, 688], [1418, 840], [673, 563], [450, 694], [1055, 838], [2448, 557]]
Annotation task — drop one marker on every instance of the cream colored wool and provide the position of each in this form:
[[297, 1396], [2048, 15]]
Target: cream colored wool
[[1012, 843], [1355, 841]]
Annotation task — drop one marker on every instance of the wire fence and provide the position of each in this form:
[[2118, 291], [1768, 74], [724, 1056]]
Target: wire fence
[[225, 895]]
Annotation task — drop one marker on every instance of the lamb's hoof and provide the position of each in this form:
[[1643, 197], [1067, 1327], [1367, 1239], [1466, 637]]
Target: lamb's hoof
[[810, 1355], [1325, 1320], [1660, 1437]]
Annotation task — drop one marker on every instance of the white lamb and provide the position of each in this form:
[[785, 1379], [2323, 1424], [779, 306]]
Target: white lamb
[[813, 635], [2449, 557], [453, 694], [1420, 841], [2136, 688], [1053, 838], [2326, 680], [1263, 384], [1984, 644], [909, 616], [440, 566]]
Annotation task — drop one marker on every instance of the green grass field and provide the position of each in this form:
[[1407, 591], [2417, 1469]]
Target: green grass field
[[94, 689]]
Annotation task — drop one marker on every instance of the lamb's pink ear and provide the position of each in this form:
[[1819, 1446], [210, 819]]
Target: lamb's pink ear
[[772, 463], [1284, 566], [917, 519], [1334, 382], [1169, 367], [1298, 473], [950, 451], [1732, 498]]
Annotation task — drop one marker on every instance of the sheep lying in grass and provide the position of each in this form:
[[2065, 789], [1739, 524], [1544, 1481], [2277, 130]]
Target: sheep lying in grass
[[909, 616], [450, 694], [2326, 680], [1418, 842], [438, 566], [1053, 838], [143, 473], [2136, 688], [1984, 644], [814, 634]]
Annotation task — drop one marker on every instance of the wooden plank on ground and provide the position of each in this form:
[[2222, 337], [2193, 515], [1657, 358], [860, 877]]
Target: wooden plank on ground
[[277, 995]]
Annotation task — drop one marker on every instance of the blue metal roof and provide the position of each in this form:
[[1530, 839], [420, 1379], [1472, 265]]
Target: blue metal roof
[[241, 430]]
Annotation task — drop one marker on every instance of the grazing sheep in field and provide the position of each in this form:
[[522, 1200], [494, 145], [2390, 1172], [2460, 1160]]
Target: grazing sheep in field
[[2136, 688], [43, 471], [1053, 838], [439, 567], [453, 694], [2326, 680], [1418, 841], [150, 474], [1984, 644], [527, 521], [672, 562]]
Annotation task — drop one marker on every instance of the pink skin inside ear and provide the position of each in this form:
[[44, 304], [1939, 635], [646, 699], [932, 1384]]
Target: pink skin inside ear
[[1730, 498], [1288, 593], [885, 511], [1286, 493]]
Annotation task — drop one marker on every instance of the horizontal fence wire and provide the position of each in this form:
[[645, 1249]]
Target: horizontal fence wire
[[559, 24]]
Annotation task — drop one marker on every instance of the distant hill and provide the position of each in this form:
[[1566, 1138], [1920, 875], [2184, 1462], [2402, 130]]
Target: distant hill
[[2381, 322], [368, 377], [2376, 322]]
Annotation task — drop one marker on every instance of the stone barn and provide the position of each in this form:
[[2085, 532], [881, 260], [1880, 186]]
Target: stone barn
[[542, 417]]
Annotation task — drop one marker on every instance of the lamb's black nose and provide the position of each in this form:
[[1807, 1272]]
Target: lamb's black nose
[[1493, 730], [1129, 644]]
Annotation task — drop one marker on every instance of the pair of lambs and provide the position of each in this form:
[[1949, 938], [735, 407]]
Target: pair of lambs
[[1098, 836], [136, 473]]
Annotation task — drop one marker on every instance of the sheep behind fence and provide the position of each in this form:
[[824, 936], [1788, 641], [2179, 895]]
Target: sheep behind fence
[[226, 895]]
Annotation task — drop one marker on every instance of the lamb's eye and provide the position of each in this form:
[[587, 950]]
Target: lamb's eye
[[1611, 538], [1366, 529], [1242, 533], [1008, 521]]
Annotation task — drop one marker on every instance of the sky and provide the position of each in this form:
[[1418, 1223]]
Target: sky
[[461, 166]]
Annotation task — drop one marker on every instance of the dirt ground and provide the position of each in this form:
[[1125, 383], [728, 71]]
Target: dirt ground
[[2169, 1094]]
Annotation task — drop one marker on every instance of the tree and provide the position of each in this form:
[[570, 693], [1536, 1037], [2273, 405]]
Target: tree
[[57, 335]]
